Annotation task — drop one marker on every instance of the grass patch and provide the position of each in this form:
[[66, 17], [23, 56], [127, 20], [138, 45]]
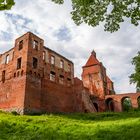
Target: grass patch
[[98, 126]]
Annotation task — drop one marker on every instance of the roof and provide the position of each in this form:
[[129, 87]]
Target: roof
[[92, 61]]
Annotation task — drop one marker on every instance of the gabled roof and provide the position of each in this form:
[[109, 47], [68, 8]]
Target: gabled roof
[[92, 61]]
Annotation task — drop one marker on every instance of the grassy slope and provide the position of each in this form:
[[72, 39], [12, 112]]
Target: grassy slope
[[103, 126]]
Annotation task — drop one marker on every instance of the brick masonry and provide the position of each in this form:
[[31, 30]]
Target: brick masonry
[[36, 79]]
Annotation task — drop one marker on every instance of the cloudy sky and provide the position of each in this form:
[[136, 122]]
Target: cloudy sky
[[53, 23]]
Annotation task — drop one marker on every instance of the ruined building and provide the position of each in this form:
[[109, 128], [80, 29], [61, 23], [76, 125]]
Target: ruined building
[[36, 79]]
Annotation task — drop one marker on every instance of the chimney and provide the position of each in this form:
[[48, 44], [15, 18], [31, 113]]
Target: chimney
[[93, 53]]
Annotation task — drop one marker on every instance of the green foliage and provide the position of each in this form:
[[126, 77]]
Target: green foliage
[[94, 12], [58, 1], [109, 12], [139, 102], [14, 113], [100, 126], [135, 77], [6, 4]]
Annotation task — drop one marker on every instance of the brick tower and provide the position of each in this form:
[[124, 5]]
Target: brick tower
[[34, 72], [17, 66], [95, 79]]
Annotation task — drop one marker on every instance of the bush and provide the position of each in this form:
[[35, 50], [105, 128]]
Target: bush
[[14, 113]]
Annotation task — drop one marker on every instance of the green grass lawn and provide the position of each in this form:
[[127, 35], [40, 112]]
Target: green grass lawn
[[99, 126]]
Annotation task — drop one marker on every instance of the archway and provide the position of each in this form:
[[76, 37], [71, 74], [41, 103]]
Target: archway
[[138, 100], [96, 106], [126, 103], [109, 104]]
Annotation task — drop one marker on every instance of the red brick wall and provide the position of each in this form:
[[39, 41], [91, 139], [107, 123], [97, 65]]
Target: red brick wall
[[43, 95], [12, 94], [117, 100], [29, 90], [12, 91]]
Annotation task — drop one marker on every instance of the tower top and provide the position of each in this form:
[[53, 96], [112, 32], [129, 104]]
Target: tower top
[[93, 53], [92, 60]]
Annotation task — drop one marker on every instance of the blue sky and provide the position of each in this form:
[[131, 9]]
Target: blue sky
[[53, 23]]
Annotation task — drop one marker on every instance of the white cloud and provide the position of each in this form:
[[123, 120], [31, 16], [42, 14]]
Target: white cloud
[[46, 18]]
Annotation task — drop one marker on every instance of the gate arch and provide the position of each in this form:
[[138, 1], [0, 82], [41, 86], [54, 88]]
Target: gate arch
[[126, 103], [109, 104], [138, 100], [96, 106]]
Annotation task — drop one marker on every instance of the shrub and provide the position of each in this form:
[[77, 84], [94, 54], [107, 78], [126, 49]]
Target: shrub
[[14, 113]]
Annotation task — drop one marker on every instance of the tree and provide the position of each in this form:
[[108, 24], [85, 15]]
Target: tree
[[94, 12], [110, 12], [135, 77], [6, 4]]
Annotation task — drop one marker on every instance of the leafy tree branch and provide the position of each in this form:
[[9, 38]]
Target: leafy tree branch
[[6, 4], [110, 12]]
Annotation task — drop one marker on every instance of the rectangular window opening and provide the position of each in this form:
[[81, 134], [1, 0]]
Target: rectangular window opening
[[3, 76], [69, 67], [52, 76], [44, 55], [52, 60], [35, 62], [19, 63], [20, 45], [35, 45], [7, 59], [61, 79], [62, 64]]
